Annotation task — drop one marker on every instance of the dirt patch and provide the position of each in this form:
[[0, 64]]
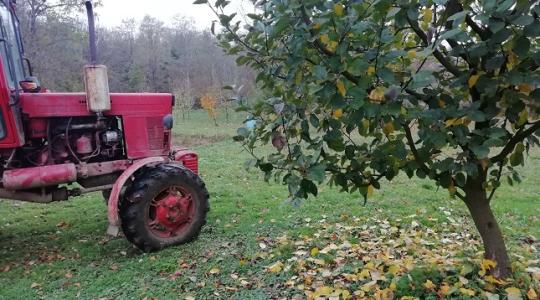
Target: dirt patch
[[198, 140]]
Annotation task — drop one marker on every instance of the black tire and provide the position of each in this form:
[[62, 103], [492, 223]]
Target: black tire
[[139, 203]]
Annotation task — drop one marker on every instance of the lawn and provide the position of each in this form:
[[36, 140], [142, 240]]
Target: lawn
[[410, 239]]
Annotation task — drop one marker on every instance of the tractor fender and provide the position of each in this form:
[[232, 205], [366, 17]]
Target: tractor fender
[[114, 220]]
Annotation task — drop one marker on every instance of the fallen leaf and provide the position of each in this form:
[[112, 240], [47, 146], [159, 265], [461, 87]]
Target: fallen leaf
[[276, 267], [513, 293], [429, 285], [35, 285], [531, 294], [214, 271], [467, 292]]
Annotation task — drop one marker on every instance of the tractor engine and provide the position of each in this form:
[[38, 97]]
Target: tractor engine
[[76, 140], [58, 154]]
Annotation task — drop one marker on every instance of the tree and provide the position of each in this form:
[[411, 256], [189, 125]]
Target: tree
[[209, 103], [361, 91]]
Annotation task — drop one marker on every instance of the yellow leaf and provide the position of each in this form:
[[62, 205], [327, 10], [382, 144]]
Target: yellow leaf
[[393, 286], [456, 122], [338, 9], [377, 94], [429, 285], [275, 268], [371, 70], [367, 287], [513, 293], [365, 124], [444, 289], [341, 88], [525, 88], [467, 292], [523, 117], [442, 104], [486, 265], [411, 54], [393, 269], [472, 80], [531, 294], [345, 294], [332, 45], [316, 26], [324, 38], [511, 60], [323, 291], [338, 113], [451, 122], [370, 190], [214, 271], [428, 15], [363, 274], [314, 251], [494, 280], [452, 188], [388, 128]]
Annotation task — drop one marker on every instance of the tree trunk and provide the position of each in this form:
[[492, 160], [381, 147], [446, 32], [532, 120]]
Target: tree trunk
[[486, 224]]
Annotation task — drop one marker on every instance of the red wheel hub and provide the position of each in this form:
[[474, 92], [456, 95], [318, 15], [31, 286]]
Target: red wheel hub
[[171, 212]]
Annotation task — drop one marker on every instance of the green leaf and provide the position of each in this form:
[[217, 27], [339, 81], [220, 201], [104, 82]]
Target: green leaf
[[523, 20], [200, 2], [521, 46], [480, 151], [309, 187], [317, 173]]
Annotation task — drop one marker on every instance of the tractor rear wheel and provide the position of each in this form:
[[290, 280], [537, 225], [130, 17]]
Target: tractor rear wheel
[[165, 206]]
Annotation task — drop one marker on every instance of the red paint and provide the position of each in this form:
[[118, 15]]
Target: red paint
[[84, 144], [102, 168], [188, 158], [37, 128], [14, 135], [142, 117], [28, 178], [121, 181], [171, 212]]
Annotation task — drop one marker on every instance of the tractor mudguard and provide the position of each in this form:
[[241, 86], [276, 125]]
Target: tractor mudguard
[[114, 220]]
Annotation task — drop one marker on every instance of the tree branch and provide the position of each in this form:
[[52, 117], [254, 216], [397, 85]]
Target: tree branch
[[438, 55], [517, 138], [410, 142], [484, 34]]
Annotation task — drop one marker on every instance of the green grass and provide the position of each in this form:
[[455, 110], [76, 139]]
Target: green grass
[[62, 250]]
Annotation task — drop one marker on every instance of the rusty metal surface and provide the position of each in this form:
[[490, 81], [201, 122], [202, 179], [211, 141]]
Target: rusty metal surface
[[114, 221], [28, 178]]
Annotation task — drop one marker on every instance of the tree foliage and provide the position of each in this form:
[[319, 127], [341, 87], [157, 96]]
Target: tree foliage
[[363, 90]]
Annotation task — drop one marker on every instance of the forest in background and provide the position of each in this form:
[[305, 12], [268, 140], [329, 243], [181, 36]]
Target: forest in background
[[142, 56]]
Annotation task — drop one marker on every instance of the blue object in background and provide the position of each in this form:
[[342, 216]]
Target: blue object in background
[[251, 124]]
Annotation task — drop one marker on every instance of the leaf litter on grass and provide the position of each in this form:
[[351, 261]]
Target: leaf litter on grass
[[408, 258]]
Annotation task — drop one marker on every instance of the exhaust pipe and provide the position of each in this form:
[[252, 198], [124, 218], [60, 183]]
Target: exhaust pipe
[[96, 81], [91, 32]]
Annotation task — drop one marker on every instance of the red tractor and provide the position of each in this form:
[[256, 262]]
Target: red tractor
[[54, 146]]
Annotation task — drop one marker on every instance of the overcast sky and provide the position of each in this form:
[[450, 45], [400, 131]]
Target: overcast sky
[[114, 11]]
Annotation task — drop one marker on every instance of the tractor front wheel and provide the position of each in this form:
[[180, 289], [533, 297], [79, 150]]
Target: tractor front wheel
[[165, 206]]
